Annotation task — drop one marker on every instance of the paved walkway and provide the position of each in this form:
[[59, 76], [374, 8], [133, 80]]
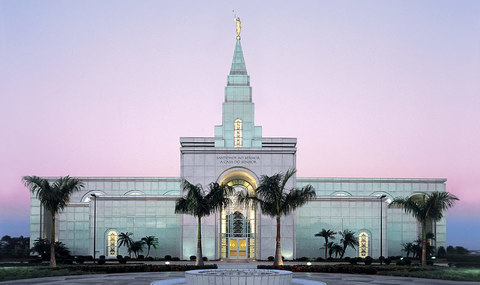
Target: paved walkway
[[145, 278]]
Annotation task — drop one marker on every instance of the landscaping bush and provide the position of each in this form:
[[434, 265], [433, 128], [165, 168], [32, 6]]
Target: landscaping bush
[[303, 258], [319, 259], [400, 262], [35, 261], [381, 258], [368, 260], [101, 260], [330, 259], [347, 259], [175, 258], [123, 260], [387, 261], [150, 258], [271, 258], [141, 257], [337, 268], [119, 256], [89, 258], [79, 259], [205, 258], [168, 257], [193, 257], [352, 261], [408, 261]]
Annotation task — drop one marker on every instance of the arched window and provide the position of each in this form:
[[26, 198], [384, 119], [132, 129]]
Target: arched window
[[134, 193], [112, 238], [238, 133], [87, 197], [363, 244]]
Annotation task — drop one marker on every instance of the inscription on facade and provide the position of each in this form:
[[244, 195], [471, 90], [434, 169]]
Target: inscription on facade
[[238, 159]]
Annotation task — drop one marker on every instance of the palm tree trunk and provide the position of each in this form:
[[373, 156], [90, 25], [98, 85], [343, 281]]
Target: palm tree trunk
[[343, 252], [278, 250], [199, 261], [424, 243], [326, 245], [53, 261], [148, 252]]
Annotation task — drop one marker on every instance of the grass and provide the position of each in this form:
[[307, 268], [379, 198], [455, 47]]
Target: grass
[[23, 272], [435, 272]]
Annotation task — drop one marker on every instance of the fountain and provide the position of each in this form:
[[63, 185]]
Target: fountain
[[237, 277]]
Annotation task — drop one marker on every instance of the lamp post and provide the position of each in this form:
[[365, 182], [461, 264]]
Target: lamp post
[[381, 228], [94, 225]]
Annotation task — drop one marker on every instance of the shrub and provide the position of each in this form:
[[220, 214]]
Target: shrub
[[400, 262], [352, 261], [387, 261], [303, 258], [330, 259], [347, 259], [150, 258], [101, 261], [429, 262], [271, 258], [141, 257], [319, 259], [123, 260], [119, 256], [408, 261], [79, 259], [193, 257], [168, 257], [381, 258], [175, 258], [368, 260], [205, 258], [89, 258]]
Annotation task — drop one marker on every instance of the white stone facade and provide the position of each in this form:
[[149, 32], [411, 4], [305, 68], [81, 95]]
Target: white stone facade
[[239, 155]]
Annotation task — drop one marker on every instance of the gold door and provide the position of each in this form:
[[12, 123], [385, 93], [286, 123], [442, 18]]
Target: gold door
[[242, 248], [233, 247]]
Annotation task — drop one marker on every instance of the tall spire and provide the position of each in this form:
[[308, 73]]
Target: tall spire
[[238, 62]]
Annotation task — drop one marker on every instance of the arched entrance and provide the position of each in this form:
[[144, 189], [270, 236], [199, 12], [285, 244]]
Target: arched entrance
[[238, 222]]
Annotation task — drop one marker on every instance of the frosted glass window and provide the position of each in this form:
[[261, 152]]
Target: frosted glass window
[[363, 244], [238, 133], [112, 238]]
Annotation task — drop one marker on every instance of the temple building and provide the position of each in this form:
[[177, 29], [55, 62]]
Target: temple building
[[237, 155]]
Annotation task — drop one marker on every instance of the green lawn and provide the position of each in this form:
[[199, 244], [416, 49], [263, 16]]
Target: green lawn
[[24, 272], [436, 272]]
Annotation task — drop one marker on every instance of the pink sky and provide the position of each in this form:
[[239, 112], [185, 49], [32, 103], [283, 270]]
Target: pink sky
[[369, 88]]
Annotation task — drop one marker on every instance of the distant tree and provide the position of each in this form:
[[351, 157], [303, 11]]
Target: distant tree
[[200, 204], [136, 247], [150, 241], [348, 240], [461, 250], [326, 234], [441, 253], [451, 250], [125, 239], [427, 208], [277, 201], [54, 197]]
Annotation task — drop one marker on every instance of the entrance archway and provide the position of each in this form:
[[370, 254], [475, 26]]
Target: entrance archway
[[238, 222]]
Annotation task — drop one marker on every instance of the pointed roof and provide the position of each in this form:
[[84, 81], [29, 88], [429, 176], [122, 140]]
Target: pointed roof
[[238, 63]]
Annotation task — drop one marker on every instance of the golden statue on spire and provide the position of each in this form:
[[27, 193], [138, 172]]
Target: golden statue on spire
[[239, 24]]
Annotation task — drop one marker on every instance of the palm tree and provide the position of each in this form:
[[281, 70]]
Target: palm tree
[[426, 209], [136, 247], [408, 248], [276, 201], [348, 239], [200, 204], [337, 249], [331, 248], [125, 240], [150, 241], [54, 197], [326, 234]]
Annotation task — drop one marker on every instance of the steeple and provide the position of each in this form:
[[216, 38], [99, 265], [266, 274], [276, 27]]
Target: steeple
[[238, 62], [238, 128]]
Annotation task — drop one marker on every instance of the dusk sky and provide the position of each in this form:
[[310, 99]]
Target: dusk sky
[[369, 89]]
